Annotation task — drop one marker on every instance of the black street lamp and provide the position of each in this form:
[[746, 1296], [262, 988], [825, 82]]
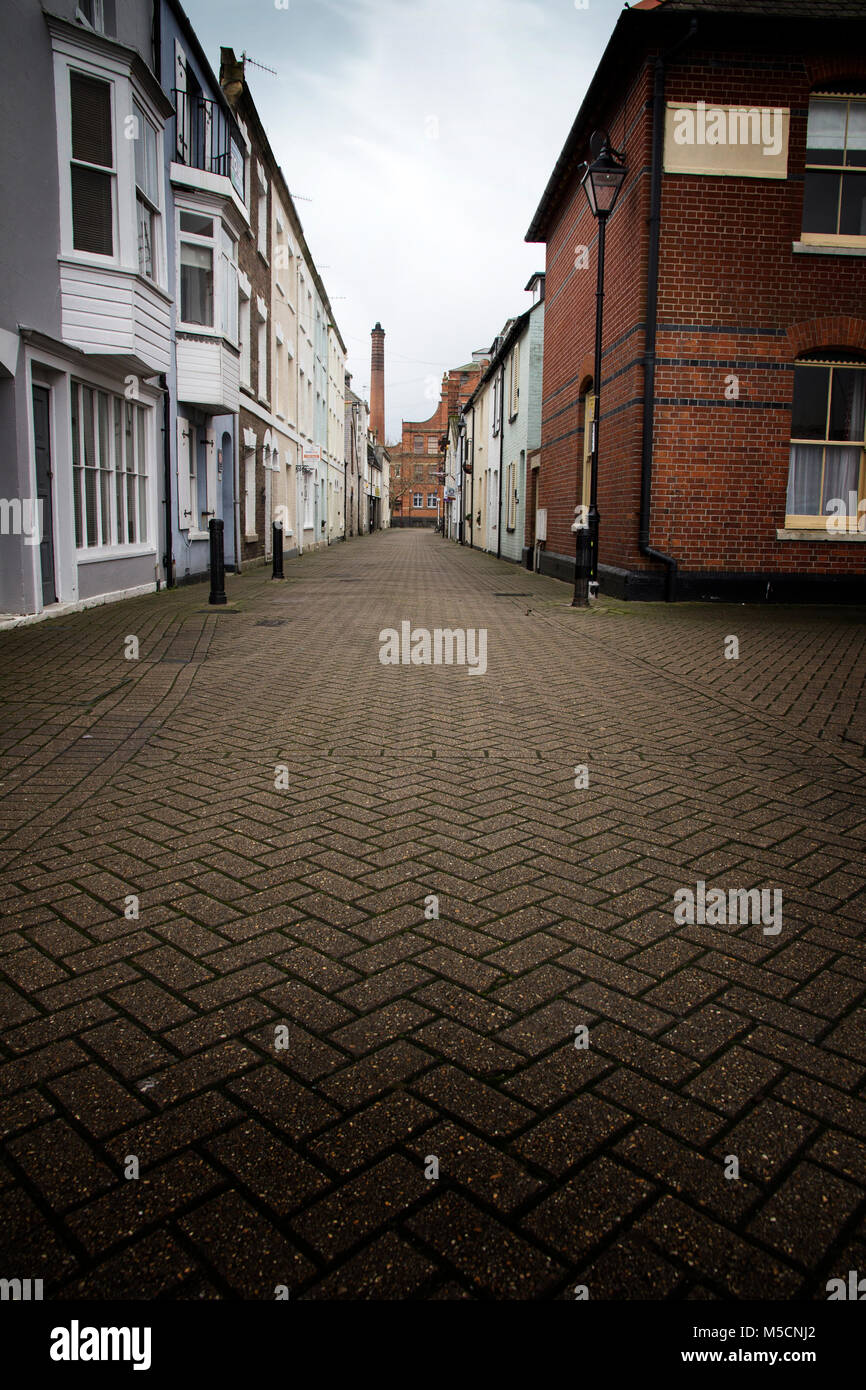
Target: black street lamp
[[601, 183]]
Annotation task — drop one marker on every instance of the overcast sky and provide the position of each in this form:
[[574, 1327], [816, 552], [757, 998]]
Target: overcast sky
[[423, 132]]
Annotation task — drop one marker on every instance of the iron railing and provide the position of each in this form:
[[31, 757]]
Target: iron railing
[[204, 139]]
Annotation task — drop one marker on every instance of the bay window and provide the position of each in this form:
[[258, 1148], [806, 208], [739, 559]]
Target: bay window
[[229, 262], [146, 192], [196, 269], [92, 171]]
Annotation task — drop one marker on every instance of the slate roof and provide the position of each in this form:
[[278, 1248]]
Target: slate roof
[[786, 9]]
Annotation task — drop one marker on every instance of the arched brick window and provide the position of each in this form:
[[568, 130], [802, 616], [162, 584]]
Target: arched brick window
[[827, 467]]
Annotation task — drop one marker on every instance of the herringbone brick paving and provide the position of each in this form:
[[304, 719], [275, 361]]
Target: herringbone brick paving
[[304, 909]]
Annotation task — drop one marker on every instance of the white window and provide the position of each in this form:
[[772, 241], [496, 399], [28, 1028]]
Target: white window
[[229, 271], [280, 372], [93, 172], [250, 492], [497, 392], [196, 268], [510, 497], [262, 350], [431, 499], [109, 468], [147, 193], [263, 211], [515, 380], [244, 329], [98, 14], [417, 499]]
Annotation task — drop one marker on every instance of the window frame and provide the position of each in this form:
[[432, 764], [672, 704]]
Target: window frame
[[199, 239], [818, 521], [108, 480], [514, 383], [146, 198], [78, 53], [837, 238], [111, 172]]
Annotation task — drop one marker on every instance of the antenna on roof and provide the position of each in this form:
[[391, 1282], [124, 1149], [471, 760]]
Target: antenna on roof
[[253, 63]]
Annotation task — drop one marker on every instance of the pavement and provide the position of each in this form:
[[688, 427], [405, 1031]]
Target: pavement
[[238, 1041]]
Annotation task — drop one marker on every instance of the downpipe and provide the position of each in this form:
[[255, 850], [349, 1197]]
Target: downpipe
[[650, 551]]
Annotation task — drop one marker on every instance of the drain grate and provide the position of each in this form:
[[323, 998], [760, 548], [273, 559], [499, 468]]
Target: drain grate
[[515, 593], [271, 622]]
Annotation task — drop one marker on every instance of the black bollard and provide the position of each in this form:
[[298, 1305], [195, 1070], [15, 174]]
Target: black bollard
[[277, 547], [217, 562]]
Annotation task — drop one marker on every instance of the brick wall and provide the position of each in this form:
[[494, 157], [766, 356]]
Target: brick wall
[[734, 298]]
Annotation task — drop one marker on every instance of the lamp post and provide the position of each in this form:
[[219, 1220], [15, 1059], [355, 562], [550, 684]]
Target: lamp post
[[601, 183]]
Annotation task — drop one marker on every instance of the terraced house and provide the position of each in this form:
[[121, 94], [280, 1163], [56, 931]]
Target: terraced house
[[501, 422], [168, 353], [86, 306], [733, 372]]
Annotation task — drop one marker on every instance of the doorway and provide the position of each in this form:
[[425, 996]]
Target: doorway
[[42, 451]]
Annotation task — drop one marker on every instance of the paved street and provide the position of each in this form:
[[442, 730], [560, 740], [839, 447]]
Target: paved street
[[286, 1035]]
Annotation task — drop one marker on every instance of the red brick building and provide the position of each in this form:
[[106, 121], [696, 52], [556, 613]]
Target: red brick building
[[733, 405], [418, 460]]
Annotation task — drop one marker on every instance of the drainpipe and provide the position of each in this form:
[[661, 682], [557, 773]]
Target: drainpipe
[[501, 454], [346, 480], [168, 558], [472, 488], [649, 359]]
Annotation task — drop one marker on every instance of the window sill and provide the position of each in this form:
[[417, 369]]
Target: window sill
[[828, 248], [94, 554], [819, 534]]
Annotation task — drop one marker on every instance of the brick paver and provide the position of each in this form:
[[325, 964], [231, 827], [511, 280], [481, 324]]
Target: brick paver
[[284, 1040]]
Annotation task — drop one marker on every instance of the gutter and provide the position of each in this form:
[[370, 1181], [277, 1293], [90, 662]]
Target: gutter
[[501, 455], [168, 557], [649, 356], [472, 488]]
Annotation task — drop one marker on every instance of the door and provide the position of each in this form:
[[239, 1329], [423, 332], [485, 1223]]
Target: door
[[269, 506], [42, 443], [588, 435]]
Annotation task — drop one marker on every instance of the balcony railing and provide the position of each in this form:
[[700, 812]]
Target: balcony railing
[[204, 139]]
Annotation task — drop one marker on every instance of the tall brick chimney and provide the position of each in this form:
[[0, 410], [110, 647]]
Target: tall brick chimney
[[377, 383]]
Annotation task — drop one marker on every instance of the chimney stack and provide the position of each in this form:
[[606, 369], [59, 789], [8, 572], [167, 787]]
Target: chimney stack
[[377, 383]]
